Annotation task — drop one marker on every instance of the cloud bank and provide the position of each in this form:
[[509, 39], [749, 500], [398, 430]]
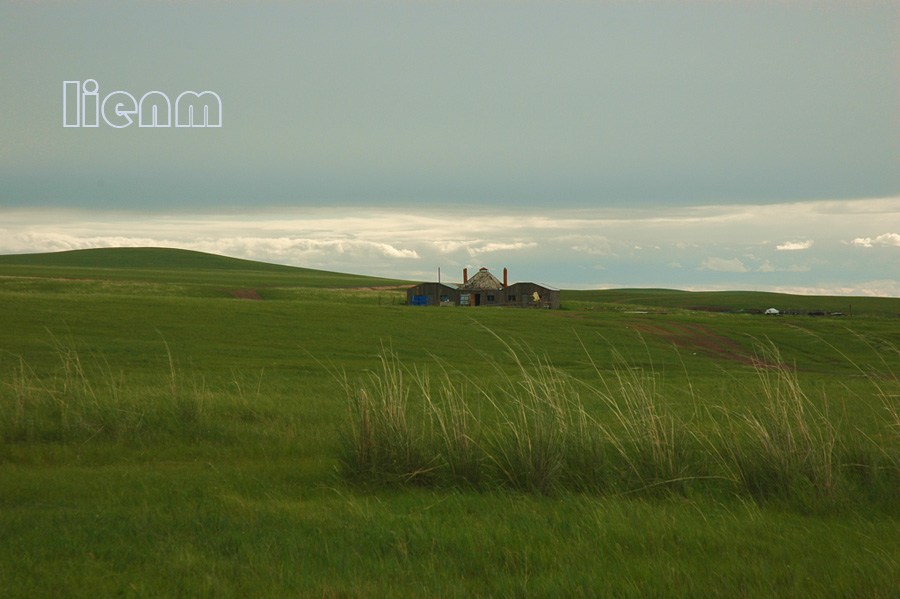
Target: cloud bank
[[688, 248], [888, 239]]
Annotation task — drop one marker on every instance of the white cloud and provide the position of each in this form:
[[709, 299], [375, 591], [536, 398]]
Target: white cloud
[[795, 245], [285, 248], [767, 266], [389, 250], [892, 239], [879, 288], [497, 247], [722, 265], [448, 247], [888, 239], [884, 288], [594, 245]]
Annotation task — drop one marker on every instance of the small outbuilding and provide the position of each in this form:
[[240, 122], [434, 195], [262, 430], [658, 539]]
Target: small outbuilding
[[432, 294], [532, 295]]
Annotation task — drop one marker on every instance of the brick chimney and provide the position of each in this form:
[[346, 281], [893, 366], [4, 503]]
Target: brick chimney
[[465, 276], [505, 284]]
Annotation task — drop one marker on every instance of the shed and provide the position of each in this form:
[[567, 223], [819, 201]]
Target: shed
[[532, 295], [432, 294]]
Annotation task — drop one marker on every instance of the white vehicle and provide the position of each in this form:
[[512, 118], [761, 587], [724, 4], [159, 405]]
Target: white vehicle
[[772, 312]]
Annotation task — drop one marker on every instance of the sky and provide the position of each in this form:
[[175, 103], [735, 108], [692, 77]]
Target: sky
[[690, 145]]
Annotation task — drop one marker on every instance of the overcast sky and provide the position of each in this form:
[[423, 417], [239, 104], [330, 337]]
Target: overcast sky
[[697, 145]]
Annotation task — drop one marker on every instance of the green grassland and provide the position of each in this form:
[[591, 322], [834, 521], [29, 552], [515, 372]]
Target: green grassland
[[163, 436], [162, 265], [730, 301]]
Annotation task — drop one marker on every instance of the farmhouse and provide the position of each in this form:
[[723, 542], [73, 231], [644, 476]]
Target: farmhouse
[[484, 289]]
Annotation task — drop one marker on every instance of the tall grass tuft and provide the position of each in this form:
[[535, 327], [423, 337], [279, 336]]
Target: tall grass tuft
[[874, 463], [650, 442], [17, 411], [82, 398], [788, 447], [537, 435], [78, 399], [887, 389], [383, 445], [532, 431], [456, 431], [529, 447]]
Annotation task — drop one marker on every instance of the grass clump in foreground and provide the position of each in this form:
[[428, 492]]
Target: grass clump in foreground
[[624, 432], [83, 398]]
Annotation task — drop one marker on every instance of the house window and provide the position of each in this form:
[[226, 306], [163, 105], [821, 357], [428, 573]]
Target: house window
[[464, 299], [511, 298], [445, 299], [490, 298]]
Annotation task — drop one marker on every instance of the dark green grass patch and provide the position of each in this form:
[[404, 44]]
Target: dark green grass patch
[[238, 530]]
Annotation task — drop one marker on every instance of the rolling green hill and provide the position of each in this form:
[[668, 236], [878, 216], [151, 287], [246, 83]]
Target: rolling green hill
[[140, 257], [166, 265], [732, 301]]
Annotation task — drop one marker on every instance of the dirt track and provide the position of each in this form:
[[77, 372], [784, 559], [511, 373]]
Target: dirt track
[[250, 294], [698, 338]]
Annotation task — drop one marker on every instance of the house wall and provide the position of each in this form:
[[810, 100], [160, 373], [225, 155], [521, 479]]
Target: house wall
[[485, 297], [433, 292], [522, 295]]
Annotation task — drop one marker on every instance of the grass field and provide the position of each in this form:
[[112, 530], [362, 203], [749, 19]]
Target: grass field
[[163, 435]]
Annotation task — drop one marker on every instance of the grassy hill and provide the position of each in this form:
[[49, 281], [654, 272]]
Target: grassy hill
[[139, 257], [166, 265]]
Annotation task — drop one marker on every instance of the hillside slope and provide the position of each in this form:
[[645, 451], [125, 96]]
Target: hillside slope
[[175, 266], [751, 302]]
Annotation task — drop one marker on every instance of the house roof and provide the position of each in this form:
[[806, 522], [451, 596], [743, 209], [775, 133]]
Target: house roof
[[483, 280], [542, 286], [450, 286]]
